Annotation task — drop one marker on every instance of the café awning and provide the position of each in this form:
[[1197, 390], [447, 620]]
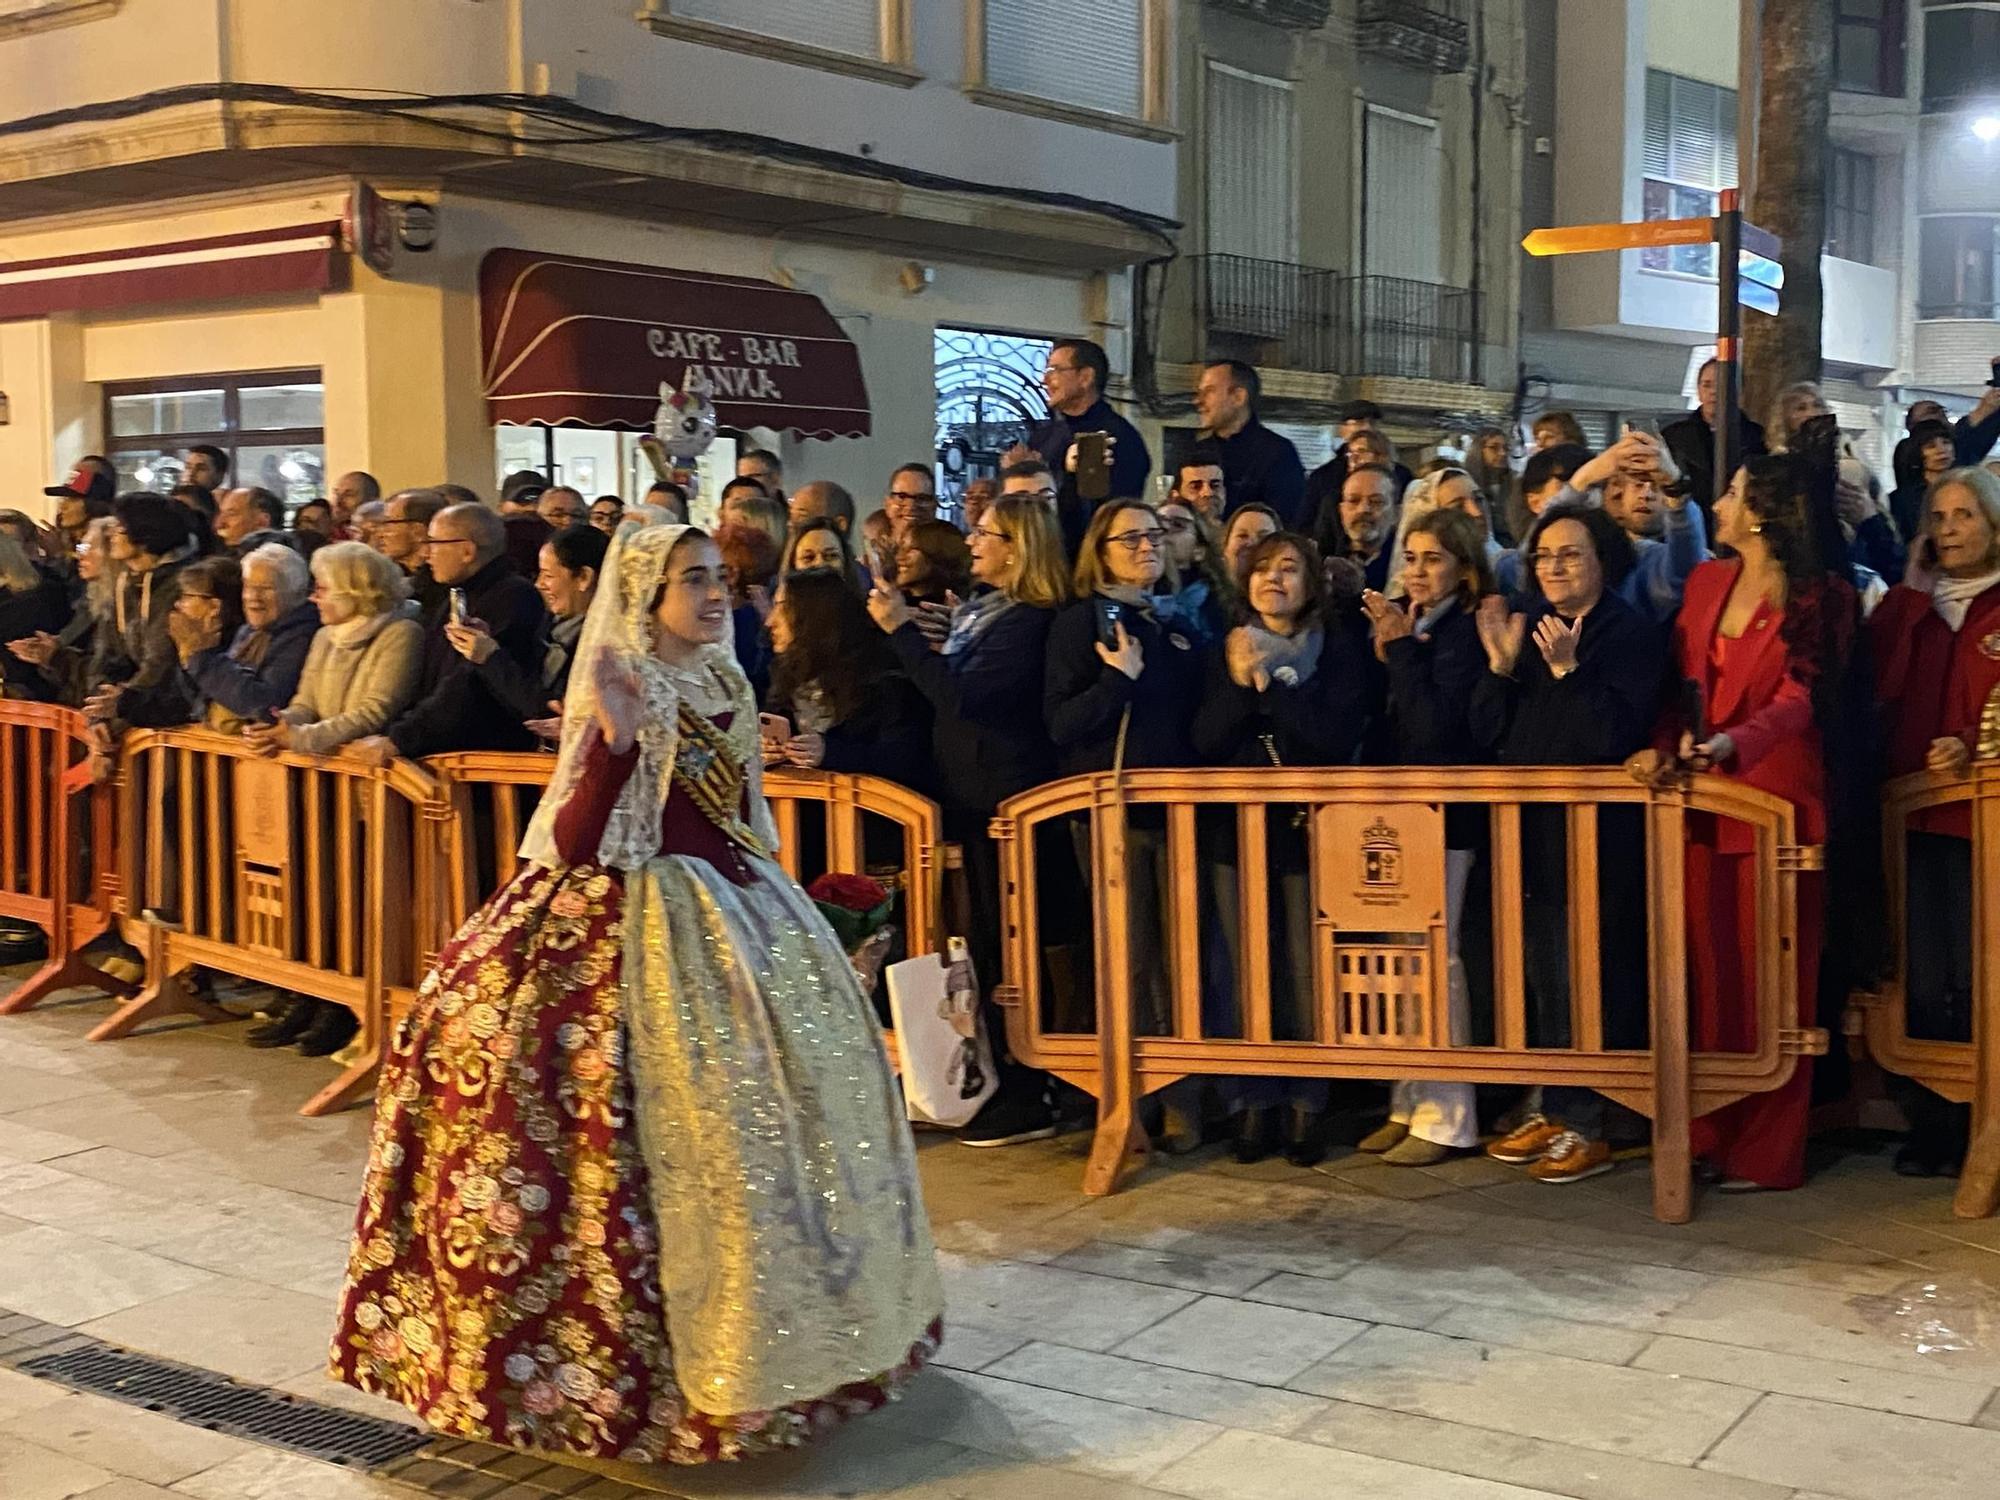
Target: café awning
[[586, 343], [292, 258]]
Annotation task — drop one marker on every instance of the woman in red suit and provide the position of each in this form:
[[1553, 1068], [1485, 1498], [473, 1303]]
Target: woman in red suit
[[1936, 640], [1758, 634]]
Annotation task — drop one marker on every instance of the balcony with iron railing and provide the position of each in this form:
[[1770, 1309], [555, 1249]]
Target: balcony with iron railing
[[1433, 35], [1283, 316]]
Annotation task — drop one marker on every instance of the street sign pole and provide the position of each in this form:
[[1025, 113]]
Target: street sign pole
[[1728, 337]]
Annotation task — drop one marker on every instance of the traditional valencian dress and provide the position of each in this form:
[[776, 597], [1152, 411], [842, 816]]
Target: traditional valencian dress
[[640, 1187]]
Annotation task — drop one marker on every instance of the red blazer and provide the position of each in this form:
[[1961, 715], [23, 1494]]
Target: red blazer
[[1761, 698], [1932, 682]]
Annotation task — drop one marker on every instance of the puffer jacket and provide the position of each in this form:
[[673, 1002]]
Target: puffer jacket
[[139, 655], [355, 689]]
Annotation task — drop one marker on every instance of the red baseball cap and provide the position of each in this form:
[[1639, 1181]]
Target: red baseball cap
[[87, 482]]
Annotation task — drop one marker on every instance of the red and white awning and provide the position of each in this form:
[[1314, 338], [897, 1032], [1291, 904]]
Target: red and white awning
[[297, 258]]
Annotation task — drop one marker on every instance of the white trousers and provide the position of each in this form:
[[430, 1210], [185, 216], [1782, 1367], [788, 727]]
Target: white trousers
[[1445, 1114]]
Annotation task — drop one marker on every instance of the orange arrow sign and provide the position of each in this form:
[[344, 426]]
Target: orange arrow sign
[[1577, 238]]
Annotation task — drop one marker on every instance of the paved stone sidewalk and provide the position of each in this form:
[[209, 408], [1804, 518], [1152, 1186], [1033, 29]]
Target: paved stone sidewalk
[[1216, 1332]]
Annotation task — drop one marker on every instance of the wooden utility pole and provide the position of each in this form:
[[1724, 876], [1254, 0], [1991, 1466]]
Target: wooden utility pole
[[1796, 83]]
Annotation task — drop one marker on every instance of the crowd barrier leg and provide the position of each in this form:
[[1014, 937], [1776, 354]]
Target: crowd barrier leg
[[1673, 1119], [1978, 1192], [70, 926], [1120, 1142]]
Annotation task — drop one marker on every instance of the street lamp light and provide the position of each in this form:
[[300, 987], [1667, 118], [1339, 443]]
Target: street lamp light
[[1987, 128]]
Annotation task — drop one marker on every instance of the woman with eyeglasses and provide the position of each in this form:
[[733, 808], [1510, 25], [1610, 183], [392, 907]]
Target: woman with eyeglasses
[[988, 743], [1575, 679], [248, 676], [1290, 687], [207, 610], [1122, 686]]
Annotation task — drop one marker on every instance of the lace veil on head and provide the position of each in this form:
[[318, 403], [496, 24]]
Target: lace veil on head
[[620, 625]]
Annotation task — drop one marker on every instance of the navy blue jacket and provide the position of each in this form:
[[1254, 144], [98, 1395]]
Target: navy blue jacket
[[1084, 699], [1130, 464], [988, 740], [256, 693], [1259, 465], [1320, 722], [456, 709], [1597, 715]]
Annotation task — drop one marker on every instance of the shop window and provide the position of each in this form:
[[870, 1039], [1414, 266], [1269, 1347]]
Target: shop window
[[1100, 63], [1850, 205], [1958, 259], [271, 423], [1690, 157], [1868, 46], [1960, 44]]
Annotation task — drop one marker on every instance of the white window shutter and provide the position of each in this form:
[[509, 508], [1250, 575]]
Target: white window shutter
[[1249, 165], [852, 26], [1091, 56], [1403, 202]]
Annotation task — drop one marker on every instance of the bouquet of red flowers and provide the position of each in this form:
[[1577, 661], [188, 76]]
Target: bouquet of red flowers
[[855, 906]]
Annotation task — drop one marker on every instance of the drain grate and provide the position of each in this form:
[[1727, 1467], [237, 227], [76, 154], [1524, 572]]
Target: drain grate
[[202, 1398]]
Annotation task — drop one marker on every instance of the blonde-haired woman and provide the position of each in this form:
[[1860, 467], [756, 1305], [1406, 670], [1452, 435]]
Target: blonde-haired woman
[[361, 670], [61, 658], [983, 684]]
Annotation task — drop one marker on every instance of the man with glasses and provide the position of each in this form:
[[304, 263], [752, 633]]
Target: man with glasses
[[562, 506], [1074, 381], [455, 709], [912, 499], [1368, 505], [399, 536]]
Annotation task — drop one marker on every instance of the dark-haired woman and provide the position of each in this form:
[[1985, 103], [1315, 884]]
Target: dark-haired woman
[[818, 544], [1764, 634], [1203, 602], [1288, 688], [138, 678], [1573, 681], [845, 701], [1434, 659]]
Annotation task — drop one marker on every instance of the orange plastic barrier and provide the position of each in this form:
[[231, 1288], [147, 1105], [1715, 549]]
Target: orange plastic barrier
[[55, 846], [1967, 1071], [1379, 993]]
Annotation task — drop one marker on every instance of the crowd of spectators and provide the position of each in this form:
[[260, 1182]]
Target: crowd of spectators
[[1811, 632]]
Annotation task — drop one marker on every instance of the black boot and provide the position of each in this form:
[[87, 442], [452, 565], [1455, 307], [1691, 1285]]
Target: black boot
[[286, 1027], [333, 1027], [1256, 1135], [1305, 1137]]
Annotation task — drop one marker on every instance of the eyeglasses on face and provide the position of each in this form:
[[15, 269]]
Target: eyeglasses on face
[[1132, 541], [1177, 524], [448, 541], [914, 497], [1568, 557]]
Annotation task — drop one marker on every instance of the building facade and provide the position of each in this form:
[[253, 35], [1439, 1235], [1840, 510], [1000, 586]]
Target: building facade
[[439, 239], [1634, 115], [1349, 179]]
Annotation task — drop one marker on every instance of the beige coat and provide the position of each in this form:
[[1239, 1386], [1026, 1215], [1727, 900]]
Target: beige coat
[[353, 690]]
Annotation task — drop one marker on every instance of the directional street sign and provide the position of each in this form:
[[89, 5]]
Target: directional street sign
[[1759, 276]]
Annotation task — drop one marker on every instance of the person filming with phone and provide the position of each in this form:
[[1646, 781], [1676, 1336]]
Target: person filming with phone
[[1113, 463]]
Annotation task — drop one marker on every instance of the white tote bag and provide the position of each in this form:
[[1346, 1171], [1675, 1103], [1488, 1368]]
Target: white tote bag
[[947, 1061]]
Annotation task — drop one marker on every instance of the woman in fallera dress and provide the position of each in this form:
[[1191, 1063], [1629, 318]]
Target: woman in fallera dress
[[640, 1186]]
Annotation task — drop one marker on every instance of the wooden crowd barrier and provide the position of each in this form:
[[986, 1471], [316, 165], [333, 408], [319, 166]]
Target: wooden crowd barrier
[[309, 874], [1379, 997], [56, 847], [1966, 1072], [478, 838]]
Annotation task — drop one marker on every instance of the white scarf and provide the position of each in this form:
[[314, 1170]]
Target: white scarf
[[1952, 597]]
